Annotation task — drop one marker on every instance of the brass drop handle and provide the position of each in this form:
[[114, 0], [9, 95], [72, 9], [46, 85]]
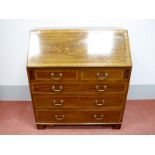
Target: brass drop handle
[[60, 88], [102, 76], [98, 117], [56, 76], [58, 103], [101, 88], [59, 117], [99, 103]]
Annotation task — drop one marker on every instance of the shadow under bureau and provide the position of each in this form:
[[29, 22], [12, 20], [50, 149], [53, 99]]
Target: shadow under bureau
[[79, 76]]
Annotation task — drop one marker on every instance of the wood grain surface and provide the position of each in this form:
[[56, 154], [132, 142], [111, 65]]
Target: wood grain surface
[[79, 48]]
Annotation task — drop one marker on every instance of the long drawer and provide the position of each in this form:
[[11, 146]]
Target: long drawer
[[77, 116], [101, 101], [78, 88]]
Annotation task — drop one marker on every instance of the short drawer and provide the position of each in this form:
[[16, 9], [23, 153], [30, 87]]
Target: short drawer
[[102, 74], [56, 74], [80, 88], [77, 116], [108, 100]]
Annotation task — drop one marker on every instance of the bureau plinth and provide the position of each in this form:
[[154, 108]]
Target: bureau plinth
[[79, 76]]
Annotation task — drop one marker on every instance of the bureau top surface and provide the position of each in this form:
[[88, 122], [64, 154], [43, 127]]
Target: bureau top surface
[[79, 48]]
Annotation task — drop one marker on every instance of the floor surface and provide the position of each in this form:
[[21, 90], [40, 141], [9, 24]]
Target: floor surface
[[16, 118]]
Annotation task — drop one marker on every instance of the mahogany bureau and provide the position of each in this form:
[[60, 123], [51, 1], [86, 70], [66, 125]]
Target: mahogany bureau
[[79, 76]]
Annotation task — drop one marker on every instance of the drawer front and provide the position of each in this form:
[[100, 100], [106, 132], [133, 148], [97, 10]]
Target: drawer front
[[78, 88], [109, 100], [78, 116], [102, 74], [56, 74]]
